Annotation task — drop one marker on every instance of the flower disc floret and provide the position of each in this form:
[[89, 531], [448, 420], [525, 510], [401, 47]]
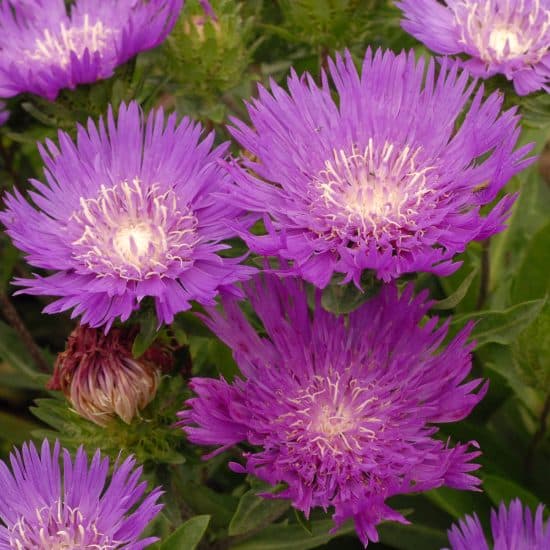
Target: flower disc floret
[[45, 49], [342, 410], [513, 527], [509, 37], [390, 176], [50, 502], [128, 211]]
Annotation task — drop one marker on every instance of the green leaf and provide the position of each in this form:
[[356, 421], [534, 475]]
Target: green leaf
[[500, 489], [303, 521], [457, 296], [15, 353], [533, 279], [254, 512], [15, 429], [204, 500], [188, 535], [456, 503], [146, 335], [412, 537], [501, 327], [293, 537]]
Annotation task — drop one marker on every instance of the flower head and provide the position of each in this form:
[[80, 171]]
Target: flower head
[[391, 178], [44, 49], [513, 528], [342, 410], [509, 37], [101, 378], [78, 505], [128, 211]]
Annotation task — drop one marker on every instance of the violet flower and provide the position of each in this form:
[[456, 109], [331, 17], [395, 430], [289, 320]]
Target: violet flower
[[391, 176], [45, 49], [77, 505], [513, 528], [509, 37], [128, 211], [342, 410]]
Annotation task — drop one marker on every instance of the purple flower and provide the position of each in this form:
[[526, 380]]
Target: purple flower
[[341, 410], [509, 37], [44, 49], [391, 177], [128, 211], [514, 528], [78, 507]]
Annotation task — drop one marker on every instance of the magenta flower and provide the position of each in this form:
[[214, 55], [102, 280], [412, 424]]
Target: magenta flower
[[391, 177], [509, 37], [341, 410], [79, 506], [514, 528], [128, 211], [44, 49]]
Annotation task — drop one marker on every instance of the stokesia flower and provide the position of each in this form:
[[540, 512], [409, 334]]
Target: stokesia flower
[[390, 178], [509, 37], [341, 410], [44, 49], [48, 507], [128, 211], [513, 528], [100, 377]]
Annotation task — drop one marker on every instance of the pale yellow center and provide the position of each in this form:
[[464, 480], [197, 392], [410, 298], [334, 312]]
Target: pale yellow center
[[506, 42]]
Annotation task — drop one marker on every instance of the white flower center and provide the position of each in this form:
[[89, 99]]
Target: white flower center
[[57, 47], [370, 192], [134, 232], [333, 414], [134, 240], [506, 42]]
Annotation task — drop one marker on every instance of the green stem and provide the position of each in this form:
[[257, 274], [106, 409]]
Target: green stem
[[14, 319]]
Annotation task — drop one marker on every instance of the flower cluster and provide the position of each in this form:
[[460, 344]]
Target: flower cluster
[[381, 172], [44, 49], [509, 37], [343, 411], [44, 506], [512, 528], [128, 211], [390, 178]]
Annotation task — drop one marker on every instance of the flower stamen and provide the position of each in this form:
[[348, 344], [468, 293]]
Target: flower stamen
[[57, 47]]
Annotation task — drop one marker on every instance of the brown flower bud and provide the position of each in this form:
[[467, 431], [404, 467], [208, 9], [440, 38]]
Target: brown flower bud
[[100, 378]]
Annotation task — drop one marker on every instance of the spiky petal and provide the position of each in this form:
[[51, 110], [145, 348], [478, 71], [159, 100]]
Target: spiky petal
[[513, 528], [50, 502], [45, 49], [342, 410], [509, 37], [128, 211], [390, 176]]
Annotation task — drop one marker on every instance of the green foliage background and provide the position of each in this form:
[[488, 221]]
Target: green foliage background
[[206, 69]]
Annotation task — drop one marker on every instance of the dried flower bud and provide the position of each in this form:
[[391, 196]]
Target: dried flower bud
[[100, 378]]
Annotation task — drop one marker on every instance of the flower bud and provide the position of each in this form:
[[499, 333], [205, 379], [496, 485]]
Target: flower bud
[[100, 377]]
